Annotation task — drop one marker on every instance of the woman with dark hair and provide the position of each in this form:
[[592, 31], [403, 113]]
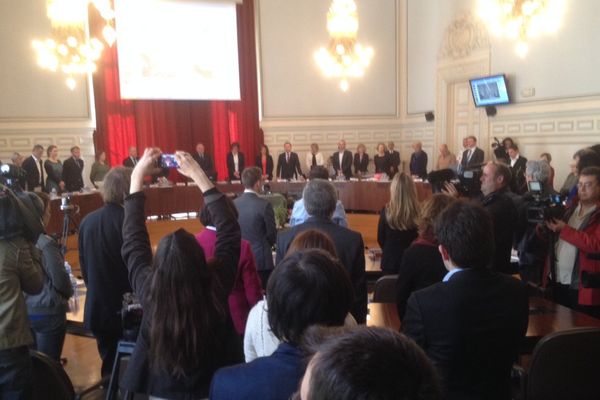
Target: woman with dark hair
[[235, 162], [264, 161], [307, 288], [186, 332], [99, 168], [382, 161], [422, 263], [53, 168], [246, 290]]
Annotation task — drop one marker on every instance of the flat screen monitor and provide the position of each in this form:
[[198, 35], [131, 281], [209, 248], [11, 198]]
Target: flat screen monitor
[[489, 91]]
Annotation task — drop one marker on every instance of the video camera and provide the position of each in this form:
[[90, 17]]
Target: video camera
[[20, 214], [544, 208], [11, 176]]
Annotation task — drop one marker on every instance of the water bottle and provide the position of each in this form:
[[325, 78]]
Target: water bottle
[[53, 194], [74, 300]]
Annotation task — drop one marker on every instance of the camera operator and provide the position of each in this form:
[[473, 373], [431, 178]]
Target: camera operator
[[20, 271], [577, 250]]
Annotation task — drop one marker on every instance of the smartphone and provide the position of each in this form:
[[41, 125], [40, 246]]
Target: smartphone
[[168, 161]]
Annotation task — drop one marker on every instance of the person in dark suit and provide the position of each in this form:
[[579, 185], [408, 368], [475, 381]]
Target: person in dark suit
[[361, 160], [33, 166], [382, 161], [341, 161], [418, 161], [257, 222], [472, 156], [394, 157], [235, 162], [205, 161], [72, 171], [288, 164], [264, 161], [472, 323], [518, 184], [133, 158], [320, 199], [307, 288], [102, 267]]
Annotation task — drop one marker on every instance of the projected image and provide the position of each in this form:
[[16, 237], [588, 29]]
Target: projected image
[[488, 91], [177, 50]]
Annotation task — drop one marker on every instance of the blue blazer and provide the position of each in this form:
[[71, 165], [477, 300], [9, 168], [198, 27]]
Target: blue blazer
[[275, 377]]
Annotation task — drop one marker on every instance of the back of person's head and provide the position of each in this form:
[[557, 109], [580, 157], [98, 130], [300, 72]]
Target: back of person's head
[[116, 185], [184, 300], [306, 288], [430, 210], [312, 239], [205, 217], [402, 212], [586, 158], [320, 198], [250, 176], [370, 363], [318, 172], [501, 170], [465, 230], [538, 170]]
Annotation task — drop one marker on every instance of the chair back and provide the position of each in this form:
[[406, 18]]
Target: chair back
[[385, 289], [49, 379], [565, 365]]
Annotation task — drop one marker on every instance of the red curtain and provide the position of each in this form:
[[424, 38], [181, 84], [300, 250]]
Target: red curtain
[[179, 125]]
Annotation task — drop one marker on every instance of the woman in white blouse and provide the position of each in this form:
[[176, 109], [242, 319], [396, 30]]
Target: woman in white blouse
[[313, 157]]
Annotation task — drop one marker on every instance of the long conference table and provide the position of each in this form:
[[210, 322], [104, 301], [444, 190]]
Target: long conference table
[[364, 196]]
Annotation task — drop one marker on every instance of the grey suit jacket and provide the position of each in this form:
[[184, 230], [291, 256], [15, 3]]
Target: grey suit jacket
[[257, 222]]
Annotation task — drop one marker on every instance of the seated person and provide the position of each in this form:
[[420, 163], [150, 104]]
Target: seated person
[[472, 323], [299, 214], [308, 287]]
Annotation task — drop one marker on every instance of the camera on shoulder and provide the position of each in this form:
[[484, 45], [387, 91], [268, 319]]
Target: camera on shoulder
[[544, 207]]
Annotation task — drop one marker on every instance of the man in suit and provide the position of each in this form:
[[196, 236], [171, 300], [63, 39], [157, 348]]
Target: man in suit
[[320, 199], [342, 161], [235, 162], [394, 158], [133, 159], [418, 161], [472, 156], [257, 222], [518, 184], [205, 162], [104, 272], [472, 323], [288, 164], [72, 170], [34, 168]]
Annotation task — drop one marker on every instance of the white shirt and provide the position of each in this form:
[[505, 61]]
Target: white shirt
[[236, 163], [341, 157], [513, 161], [450, 273], [38, 166], [318, 156]]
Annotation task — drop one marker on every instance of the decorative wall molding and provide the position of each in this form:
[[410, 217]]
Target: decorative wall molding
[[464, 36]]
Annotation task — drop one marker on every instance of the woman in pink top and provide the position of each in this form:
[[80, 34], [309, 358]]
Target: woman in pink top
[[246, 290]]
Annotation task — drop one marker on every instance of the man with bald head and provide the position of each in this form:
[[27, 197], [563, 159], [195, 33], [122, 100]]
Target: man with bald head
[[205, 161], [133, 158], [341, 161], [418, 161]]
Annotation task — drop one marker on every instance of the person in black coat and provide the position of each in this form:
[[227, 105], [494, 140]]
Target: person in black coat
[[72, 171], [235, 162], [345, 167], [517, 163], [471, 324], [186, 332], [205, 161], [418, 161], [473, 156], [382, 161], [320, 198], [34, 168], [394, 157], [103, 269], [264, 161], [361, 160], [133, 158], [288, 164]]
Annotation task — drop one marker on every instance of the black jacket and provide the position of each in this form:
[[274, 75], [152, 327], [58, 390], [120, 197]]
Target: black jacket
[[128, 162], [518, 184], [393, 242], [471, 327], [231, 165], [476, 159], [504, 217], [33, 175], [288, 169], [206, 163], [137, 253], [382, 164], [350, 248], [269, 171], [361, 165], [346, 163], [394, 158], [418, 164], [72, 174]]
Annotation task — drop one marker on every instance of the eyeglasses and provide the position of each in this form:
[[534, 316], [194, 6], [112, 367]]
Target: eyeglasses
[[587, 185]]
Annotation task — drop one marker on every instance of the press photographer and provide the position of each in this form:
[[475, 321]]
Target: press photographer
[[578, 248]]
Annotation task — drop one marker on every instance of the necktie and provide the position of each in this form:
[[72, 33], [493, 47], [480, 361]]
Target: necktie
[[41, 173], [314, 160], [134, 160], [470, 154], [287, 157]]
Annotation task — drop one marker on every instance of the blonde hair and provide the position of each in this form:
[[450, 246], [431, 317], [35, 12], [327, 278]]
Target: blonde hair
[[402, 212], [361, 146]]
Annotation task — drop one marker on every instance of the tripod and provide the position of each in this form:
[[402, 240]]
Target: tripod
[[68, 210]]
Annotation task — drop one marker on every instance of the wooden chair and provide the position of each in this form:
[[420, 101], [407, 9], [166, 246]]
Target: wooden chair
[[385, 289], [49, 379]]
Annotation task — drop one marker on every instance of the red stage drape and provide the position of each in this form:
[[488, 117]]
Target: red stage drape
[[179, 125]]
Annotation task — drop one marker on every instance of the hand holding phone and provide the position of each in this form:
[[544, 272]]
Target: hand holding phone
[[168, 161]]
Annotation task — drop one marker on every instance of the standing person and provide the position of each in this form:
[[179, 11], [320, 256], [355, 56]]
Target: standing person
[[361, 160], [398, 222], [257, 222], [548, 158], [264, 161], [235, 162], [205, 161], [382, 161], [133, 158], [473, 155], [517, 169], [288, 164], [54, 169], [47, 310], [186, 332], [446, 160], [36, 176], [99, 169], [72, 170], [17, 159], [341, 161], [102, 267], [314, 158], [418, 161], [394, 158]]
